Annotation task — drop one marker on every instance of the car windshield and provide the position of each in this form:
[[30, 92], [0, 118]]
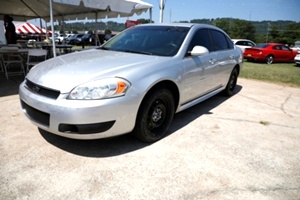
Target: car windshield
[[86, 36], [151, 40], [262, 45], [73, 36]]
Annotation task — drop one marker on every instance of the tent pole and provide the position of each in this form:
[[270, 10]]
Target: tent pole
[[150, 15], [41, 26], [52, 28], [96, 28]]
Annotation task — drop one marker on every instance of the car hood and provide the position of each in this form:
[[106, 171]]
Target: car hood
[[63, 73]]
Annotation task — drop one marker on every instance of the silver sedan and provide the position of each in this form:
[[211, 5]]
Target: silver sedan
[[134, 83]]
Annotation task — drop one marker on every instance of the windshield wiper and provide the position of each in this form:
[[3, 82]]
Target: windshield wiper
[[139, 52]]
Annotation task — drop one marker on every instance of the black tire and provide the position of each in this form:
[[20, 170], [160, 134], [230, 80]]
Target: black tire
[[155, 116], [270, 59], [230, 87]]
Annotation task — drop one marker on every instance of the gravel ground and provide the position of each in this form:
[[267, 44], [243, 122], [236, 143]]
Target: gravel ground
[[243, 147]]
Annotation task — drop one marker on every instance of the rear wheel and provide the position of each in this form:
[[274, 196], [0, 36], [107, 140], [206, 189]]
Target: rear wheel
[[229, 90], [269, 59], [155, 116]]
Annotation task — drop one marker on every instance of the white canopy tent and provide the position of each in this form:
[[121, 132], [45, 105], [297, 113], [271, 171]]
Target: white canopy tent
[[22, 10]]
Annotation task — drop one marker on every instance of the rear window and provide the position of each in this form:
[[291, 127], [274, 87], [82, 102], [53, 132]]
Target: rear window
[[262, 45], [220, 41], [244, 43]]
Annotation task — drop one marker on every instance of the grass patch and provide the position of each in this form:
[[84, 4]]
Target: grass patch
[[284, 73]]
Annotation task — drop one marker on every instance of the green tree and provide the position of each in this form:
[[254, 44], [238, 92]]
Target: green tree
[[107, 31], [292, 33], [260, 39], [275, 33], [242, 29], [223, 24]]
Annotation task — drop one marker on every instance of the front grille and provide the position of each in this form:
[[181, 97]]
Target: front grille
[[36, 115], [53, 94]]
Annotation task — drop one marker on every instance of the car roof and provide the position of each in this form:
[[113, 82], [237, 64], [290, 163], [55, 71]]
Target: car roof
[[241, 39], [168, 24], [274, 43], [188, 25]]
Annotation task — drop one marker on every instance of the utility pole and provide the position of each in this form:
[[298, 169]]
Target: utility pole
[[268, 30], [161, 8]]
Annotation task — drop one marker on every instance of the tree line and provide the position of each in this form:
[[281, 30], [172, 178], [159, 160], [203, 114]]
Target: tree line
[[287, 32]]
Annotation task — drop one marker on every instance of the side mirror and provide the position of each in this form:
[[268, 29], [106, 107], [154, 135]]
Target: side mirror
[[199, 51]]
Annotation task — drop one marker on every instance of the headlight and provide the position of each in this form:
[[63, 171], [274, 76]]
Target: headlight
[[100, 89]]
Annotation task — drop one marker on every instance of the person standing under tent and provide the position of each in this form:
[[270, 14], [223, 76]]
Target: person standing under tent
[[10, 30]]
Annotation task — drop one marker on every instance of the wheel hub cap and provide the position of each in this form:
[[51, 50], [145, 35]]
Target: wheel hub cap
[[156, 115]]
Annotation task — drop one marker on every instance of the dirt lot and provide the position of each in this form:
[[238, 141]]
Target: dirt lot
[[243, 147]]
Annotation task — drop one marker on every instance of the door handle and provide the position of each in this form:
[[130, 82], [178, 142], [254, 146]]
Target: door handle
[[212, 61]]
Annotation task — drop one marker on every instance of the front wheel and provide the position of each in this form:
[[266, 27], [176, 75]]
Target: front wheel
[[269, 59], [155, 116], [229, 90]]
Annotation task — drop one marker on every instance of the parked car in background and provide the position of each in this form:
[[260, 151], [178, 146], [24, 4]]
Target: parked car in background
[[297, 59], [59, 37], [135, 82], [67, 36], [88, 39], [269, 53], [296, 46], [75, 39], [243, 43], [105, 37]]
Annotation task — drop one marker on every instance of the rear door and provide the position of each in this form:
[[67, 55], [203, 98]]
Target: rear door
[[225, 56]]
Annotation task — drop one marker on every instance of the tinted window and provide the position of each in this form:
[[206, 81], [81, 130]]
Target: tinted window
[[219, 40], [277, 47], [285, 48], [244, 43], [201, 38], [250, 44], [229, 42], [86, 36], [241, 43]]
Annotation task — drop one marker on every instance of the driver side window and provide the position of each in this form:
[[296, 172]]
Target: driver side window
[[201, 38]]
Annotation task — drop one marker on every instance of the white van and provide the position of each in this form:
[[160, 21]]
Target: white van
[[2, 33]]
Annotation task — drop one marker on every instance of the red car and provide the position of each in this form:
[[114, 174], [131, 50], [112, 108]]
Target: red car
[[269, 53]]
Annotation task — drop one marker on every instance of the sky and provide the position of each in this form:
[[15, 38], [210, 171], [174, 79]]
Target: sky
[[186, 10], [253, 10]]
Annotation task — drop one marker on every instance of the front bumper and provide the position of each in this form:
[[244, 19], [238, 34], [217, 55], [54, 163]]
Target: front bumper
[[80, 119]]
